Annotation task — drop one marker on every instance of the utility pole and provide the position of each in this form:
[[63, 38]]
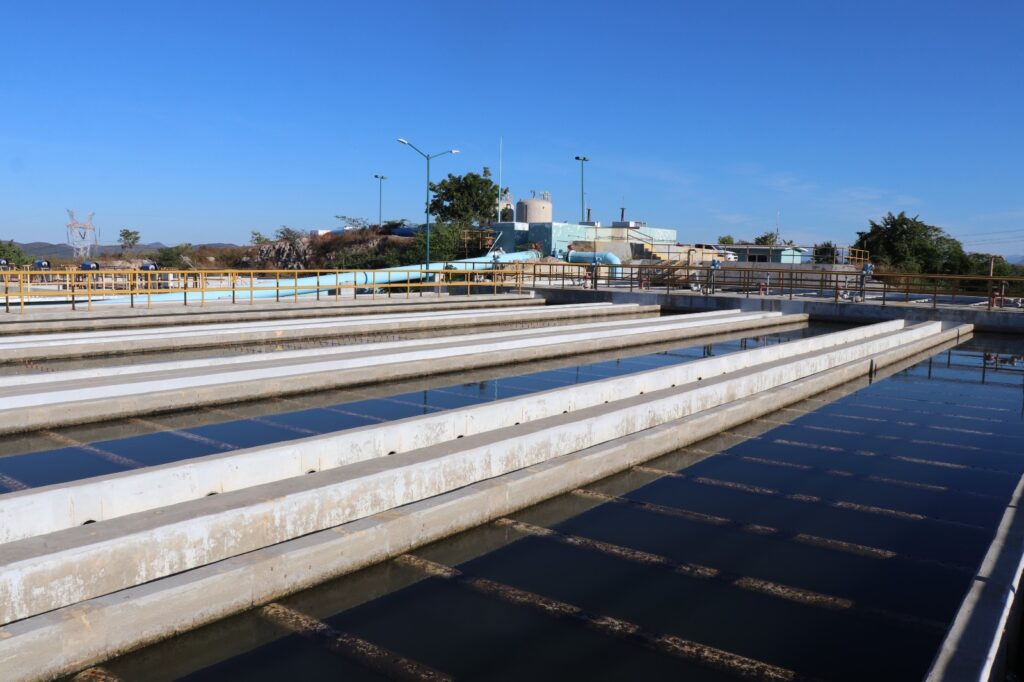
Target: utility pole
[[380, 199]]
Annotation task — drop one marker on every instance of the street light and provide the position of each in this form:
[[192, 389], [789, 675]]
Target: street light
[[428, 157], [380, 199], [582, 160]]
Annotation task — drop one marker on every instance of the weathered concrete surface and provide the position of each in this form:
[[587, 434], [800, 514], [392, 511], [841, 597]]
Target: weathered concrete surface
[[1007, 321], [59, 404], [110, 317], [976, 646], [45, 572], [120, 374], [66, 505], [92, 432], [14, 348], [106, 626]]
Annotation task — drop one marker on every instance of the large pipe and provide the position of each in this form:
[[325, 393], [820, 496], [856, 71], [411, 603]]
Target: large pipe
[[402, 273], [600, 257]]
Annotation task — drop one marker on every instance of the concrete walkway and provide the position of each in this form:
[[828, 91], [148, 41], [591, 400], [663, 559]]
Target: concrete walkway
[[999, 320], [81, 396], [38, 346], [44, 319], [206, 558]]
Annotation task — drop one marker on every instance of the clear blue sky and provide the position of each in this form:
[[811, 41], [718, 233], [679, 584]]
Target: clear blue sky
[[202, 121]]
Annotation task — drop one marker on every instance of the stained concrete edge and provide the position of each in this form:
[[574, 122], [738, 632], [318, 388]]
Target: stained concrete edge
[[975, 645], [148, 613]]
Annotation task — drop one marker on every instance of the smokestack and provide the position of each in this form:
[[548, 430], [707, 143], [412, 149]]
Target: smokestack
[[588, 215], [622, 214]]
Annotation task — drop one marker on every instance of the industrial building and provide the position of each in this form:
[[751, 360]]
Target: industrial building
[[534, 225]]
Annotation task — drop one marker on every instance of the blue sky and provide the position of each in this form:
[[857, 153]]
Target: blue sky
[[202, 121]]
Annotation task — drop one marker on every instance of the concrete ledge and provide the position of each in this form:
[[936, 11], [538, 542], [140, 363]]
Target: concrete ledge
[[42, 573], [66, 505], [145, 614], [110, 317], [1005, 321], [975, 646], [124, 342], [37, 410]]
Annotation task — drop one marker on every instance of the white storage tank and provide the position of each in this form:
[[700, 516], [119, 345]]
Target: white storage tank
[[535, 209]]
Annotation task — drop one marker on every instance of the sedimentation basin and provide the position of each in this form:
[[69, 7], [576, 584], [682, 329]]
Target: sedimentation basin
[[613, 580]]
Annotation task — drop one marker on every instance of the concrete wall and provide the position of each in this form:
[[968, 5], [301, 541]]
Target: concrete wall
[[1007, 322], [115, 623], [45, 572]]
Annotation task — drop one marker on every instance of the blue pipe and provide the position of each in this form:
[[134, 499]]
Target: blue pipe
[[600, 257], [359, 278]]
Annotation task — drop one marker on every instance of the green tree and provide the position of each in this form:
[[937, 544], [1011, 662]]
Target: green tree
[[726, 240], [256, 238], [174, 257], [825, 253], [13, 254], [465, 200], [909, 244], [445, 241], [766, 239], [128, 239]]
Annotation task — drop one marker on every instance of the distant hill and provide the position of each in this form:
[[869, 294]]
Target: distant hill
[[1016, 260], [48, 250]]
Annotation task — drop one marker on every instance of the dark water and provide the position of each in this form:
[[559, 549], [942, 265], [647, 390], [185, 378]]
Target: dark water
[[34, 461], [840, 535]]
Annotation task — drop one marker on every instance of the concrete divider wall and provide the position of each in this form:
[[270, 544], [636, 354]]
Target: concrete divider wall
[[42, 321], [121, 342], [147, 613], [43, 510], [41, 573], [361, 349], [89, 405]]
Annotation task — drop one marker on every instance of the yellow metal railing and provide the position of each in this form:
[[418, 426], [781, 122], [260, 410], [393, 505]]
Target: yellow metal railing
[[780, 280], [26, 287]]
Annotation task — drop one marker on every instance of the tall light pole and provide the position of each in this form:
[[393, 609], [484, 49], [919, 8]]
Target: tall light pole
[[380, 199], [428, 157], [582, 160]]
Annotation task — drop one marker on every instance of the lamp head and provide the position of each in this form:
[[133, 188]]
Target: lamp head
[[402, 140], [582, 158], [381, 177], [456, 151]]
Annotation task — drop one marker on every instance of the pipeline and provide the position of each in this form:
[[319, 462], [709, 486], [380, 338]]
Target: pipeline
[[600, 257], [308, 285]]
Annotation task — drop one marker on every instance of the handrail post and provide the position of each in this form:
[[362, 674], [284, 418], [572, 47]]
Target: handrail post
[[88, 289], [318, 285], [184, 287], [203, 283], [277, 286], [252, 288], [234, 284]]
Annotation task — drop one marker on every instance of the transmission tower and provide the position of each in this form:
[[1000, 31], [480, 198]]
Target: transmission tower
[[81, 236]]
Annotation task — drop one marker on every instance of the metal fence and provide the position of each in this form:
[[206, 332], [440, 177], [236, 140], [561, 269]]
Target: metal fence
[[790, 282], [21, 288]]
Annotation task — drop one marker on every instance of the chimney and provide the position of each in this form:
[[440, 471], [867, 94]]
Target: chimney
[[622, 214], [588, 215]]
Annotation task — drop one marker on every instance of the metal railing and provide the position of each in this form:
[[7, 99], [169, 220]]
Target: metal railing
[[21, 288], [791, 282]]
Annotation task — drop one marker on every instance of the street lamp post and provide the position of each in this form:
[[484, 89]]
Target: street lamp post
[[582, 160], [428, 157], [380, 199]]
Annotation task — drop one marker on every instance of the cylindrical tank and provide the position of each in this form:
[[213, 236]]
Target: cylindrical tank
[[534, 210]]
